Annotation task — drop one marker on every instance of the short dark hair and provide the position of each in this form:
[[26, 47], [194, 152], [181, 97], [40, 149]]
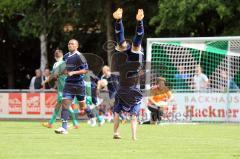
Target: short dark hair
[[58, 53]]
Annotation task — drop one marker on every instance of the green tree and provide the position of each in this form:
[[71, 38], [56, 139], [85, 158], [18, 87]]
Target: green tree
[[42, 18], [53, 22], [197, 18]]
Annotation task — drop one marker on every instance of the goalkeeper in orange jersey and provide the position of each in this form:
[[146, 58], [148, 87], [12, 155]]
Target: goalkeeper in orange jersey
[[159, 96]]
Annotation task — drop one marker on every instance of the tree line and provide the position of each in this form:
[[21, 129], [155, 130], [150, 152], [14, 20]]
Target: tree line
[[30, 30]]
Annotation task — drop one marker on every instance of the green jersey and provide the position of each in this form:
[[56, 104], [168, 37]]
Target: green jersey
[[57, 70]]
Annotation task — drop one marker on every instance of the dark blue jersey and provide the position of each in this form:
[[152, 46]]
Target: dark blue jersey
[[129, 64], [75, 62]]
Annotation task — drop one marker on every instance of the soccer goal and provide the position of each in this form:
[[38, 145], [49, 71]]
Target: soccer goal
[[178, 59]]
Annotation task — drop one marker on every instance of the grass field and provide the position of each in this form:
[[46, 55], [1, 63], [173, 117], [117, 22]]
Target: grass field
[[28, 140]]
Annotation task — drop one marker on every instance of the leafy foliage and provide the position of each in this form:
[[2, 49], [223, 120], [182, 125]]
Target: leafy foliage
[[197, 18]]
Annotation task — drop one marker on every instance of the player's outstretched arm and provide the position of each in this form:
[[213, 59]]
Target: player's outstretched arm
[[119, 30], [137, 40], [79, 72]]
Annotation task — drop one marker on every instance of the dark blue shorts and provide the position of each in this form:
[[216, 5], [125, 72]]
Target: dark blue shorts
[[71, 90], [121, 106]]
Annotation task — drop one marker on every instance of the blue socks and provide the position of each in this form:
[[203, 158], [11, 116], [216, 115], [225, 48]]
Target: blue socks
[[64, 116], [137, 40], [89, 113], [119, 31]]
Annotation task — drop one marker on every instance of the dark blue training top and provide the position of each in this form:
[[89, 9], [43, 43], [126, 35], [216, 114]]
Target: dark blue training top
[[75, 62], [128, 64]]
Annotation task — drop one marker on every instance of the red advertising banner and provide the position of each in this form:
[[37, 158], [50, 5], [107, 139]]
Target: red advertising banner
[[50, 102], [33, 103], [15, 103]]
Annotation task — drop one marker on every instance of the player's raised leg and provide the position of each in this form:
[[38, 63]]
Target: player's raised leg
[[136, 47], [119, 30], [121, 47], [137, 40]]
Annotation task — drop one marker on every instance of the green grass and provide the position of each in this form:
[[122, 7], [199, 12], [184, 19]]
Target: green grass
[[28, 140]]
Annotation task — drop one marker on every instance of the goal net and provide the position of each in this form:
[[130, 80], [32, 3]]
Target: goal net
[[203, 74], [178, 61]]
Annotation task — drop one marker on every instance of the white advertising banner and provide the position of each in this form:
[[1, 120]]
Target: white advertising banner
[[203, 107]]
